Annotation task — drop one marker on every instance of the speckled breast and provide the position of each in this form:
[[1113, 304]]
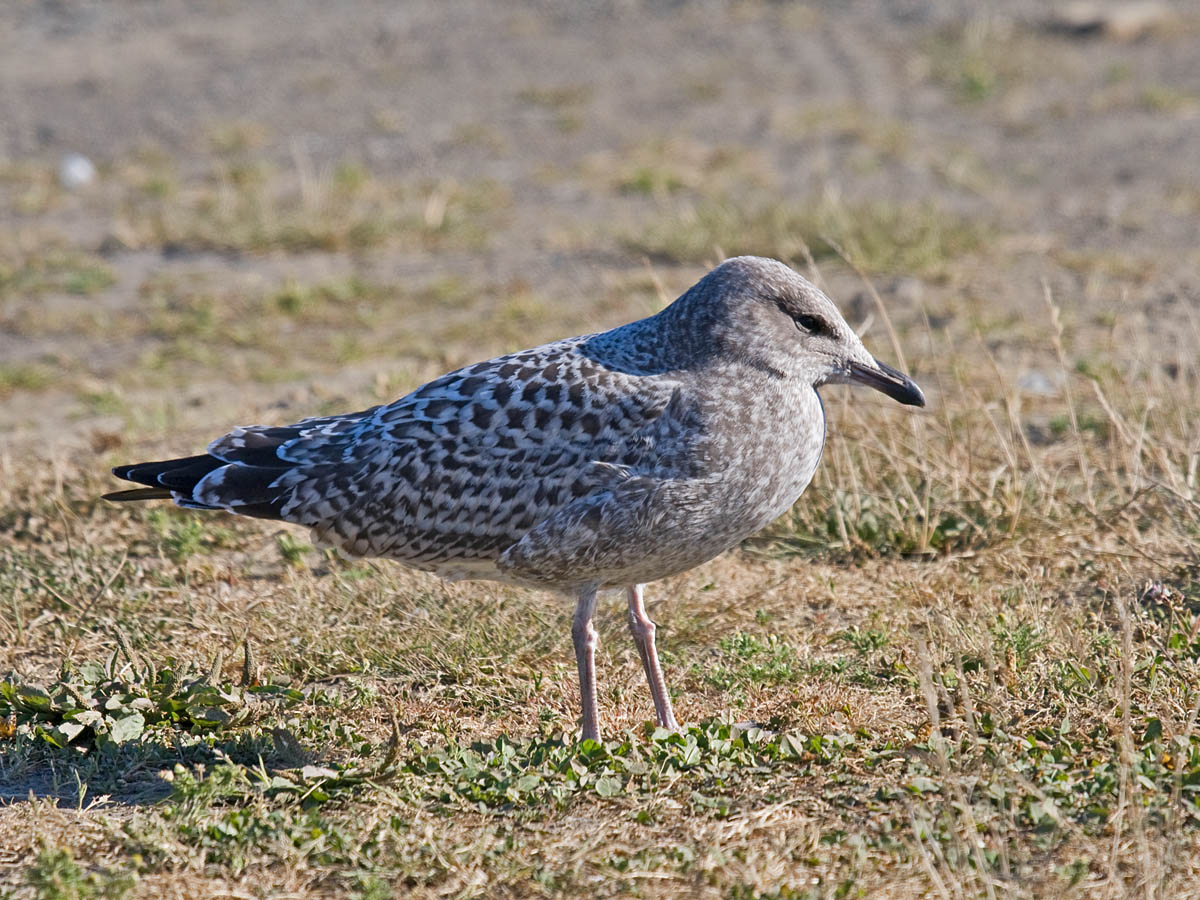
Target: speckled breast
[[773, 455]]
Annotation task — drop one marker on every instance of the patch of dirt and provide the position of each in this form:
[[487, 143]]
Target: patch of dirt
[[1062, 143]]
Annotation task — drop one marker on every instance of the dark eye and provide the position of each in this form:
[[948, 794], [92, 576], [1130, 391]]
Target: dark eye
[[812, 323]]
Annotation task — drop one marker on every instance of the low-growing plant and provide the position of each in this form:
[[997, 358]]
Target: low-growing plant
[[55, 875], [111, 703]]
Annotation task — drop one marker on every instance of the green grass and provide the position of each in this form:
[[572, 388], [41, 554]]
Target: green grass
[[30, 377], [55, 875], [945, 657], [984, 59], [661, 169], [249, 775], [751, 660], [921, 240], [54, 271], [566, 103], [246, 204]]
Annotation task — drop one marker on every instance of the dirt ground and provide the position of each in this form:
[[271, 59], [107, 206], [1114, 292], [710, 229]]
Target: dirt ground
[[1071, 152], [304, 207]]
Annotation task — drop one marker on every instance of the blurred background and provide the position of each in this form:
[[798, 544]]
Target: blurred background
[[322, 204]]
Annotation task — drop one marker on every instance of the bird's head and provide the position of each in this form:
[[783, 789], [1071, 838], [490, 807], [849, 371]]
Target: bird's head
[[769, 316]]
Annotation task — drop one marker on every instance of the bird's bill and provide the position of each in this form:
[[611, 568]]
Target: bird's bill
[[884, 378]]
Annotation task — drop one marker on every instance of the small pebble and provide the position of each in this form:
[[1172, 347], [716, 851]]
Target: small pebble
[[76, 171]]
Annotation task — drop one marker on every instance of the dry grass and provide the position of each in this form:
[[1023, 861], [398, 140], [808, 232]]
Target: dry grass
[[243, 204], [921, 240], [975, 641]]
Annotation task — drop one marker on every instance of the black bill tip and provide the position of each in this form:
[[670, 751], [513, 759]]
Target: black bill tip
[[884, 378]]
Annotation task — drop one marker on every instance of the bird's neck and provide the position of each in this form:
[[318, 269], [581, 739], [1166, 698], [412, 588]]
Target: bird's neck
[[773, 413], [660, 343], [775, 441]]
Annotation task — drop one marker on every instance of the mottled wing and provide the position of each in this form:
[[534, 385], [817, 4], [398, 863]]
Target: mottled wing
[[452, 474]]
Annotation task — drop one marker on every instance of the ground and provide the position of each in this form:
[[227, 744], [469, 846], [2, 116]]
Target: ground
[[971, 654]]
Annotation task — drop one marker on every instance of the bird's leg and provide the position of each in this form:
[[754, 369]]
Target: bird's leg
[[584, 634], [642, 629]]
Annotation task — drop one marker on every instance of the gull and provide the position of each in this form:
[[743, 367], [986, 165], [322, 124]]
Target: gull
[[603, 461]]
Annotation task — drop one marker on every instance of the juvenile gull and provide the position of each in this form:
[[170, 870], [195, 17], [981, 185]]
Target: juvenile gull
[[603, 461]]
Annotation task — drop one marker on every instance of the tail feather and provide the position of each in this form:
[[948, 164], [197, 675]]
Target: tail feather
[[240, 468], [151, 472], [137, 494], [184, 478], [243, 489]]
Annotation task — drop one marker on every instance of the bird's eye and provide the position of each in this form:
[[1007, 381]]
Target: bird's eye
[[811, 324]]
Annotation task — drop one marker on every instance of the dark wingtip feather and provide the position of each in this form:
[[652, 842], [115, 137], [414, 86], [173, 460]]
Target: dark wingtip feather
[[137, 494], [180, 474], [244, 488]]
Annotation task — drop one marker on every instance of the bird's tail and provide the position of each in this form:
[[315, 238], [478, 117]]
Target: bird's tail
[[245, 471], [167, 479], [207, 482]]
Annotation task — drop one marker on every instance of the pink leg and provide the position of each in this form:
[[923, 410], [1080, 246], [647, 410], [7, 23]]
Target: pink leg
[[642, 630], [585, 637]]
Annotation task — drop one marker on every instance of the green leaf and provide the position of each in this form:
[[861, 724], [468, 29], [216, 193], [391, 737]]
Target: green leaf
[[527, 783], [33, 698], [51, 736], [1043, 810], [792, 746], [68, 731], [1153, 732], [212, 716], [607, 786], [91, 672], [87, 717], [128, 728], [312, 773], [923, 785], [636, 766]]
